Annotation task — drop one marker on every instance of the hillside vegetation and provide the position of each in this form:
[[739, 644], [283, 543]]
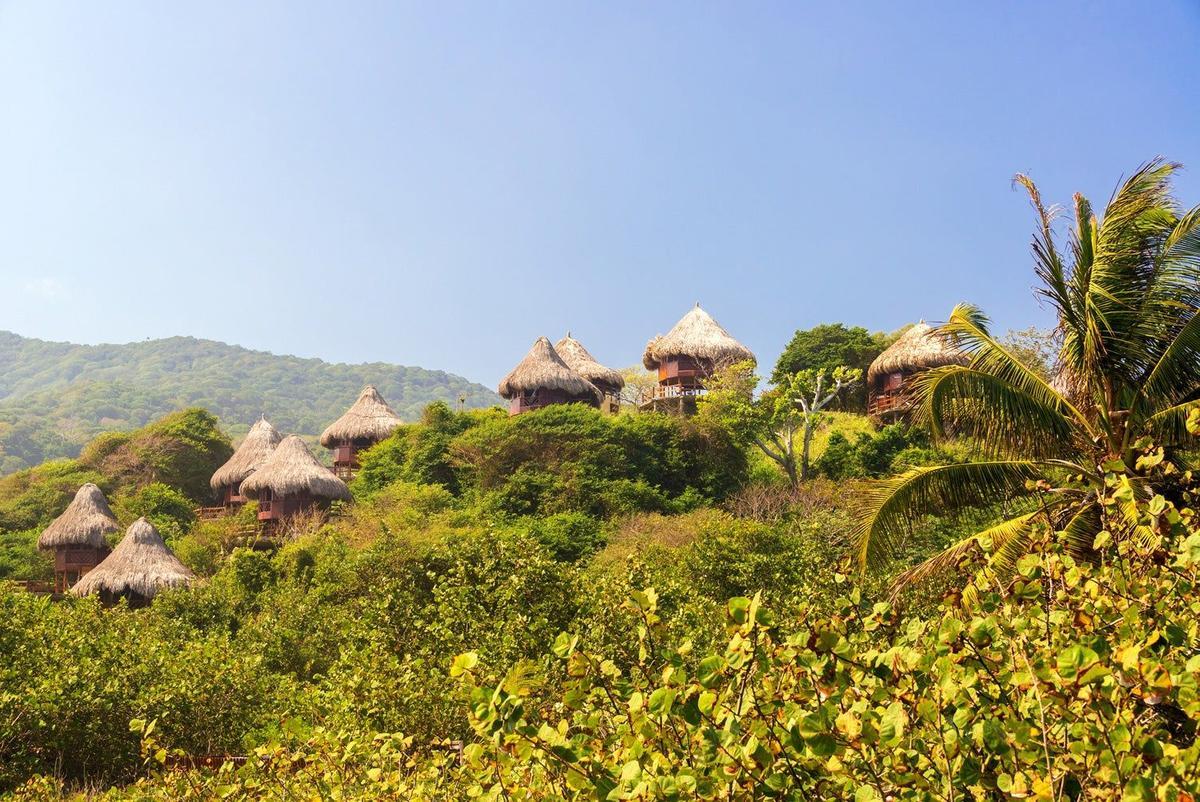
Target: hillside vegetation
[[54, 397]]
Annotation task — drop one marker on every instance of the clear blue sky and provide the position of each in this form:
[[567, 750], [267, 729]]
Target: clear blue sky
[[439, 183]]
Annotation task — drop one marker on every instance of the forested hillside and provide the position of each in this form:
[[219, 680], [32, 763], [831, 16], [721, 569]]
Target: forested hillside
[[54, 397]]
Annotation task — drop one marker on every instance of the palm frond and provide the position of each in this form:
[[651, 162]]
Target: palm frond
[[892, 506], [1174, 378], [1006, 542], [967, 327], [1169, 426], [962, 401], [1048, 263], [1124, 317], [1130, 496], [1081, 530]]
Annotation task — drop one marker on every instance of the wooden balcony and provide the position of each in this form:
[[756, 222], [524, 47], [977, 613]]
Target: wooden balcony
[[890, 405], [676, 398]]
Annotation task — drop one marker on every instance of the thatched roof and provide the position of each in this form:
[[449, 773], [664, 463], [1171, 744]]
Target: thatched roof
[[293, 469], [141, 564], [579, 360], [370, 418], [85, 522], [919, 348], [254, 450], [698, 336], [543, 368], [1067, 383]]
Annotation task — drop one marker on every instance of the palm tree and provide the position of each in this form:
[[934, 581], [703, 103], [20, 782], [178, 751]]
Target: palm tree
[[1127, 294]]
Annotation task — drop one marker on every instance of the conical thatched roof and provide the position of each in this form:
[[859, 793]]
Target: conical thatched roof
[[370, 418], [85, 522], [293, 469], [254, 450], [579, 360], [919, 348], [141, 563], [698, 336], [543, 368]]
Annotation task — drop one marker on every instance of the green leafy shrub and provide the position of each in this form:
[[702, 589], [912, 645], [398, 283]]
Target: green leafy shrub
[[569, 458], [169, 510], [1077, 681], [569, 536], [19, 556], [83, 673], [874, 454]]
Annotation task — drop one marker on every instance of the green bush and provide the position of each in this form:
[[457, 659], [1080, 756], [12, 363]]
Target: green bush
[[20, 558], [170, 511], [569, 536], [872, 455], [569, 458], [80, 674], [1076, 682]]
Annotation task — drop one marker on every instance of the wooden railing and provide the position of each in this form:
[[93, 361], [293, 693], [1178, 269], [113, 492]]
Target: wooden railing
[[39, 586], [661, 391], [889, 404]]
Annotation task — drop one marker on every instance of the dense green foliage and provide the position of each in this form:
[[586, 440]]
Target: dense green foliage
[[892, 449], [827, 347], [358, 638], [349, 672], [1078, 682], [561, 459], [54, 397]]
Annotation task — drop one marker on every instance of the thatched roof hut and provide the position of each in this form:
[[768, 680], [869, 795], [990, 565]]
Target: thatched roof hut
[[919, 348], [582, 362], [255, 449], [292, 470], [543, 369], [369, 419], [85, 522], [698, 337], [141, 565]]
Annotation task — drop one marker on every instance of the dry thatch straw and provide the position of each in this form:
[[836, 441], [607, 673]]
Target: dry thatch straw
[[254, 450], [579, 360], [141, 564], [291, 470], [543, 369], [370, 418], [699, 337], [85, 522], [919, 348], [1071, 386]]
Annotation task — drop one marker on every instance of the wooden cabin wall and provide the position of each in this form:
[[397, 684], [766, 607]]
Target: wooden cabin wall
[[527, 402], [72, 562]]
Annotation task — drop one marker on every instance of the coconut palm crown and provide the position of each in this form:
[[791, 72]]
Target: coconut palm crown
[[1126, 290]]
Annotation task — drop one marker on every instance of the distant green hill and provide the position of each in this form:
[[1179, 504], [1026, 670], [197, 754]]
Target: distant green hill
[[54, 397]]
